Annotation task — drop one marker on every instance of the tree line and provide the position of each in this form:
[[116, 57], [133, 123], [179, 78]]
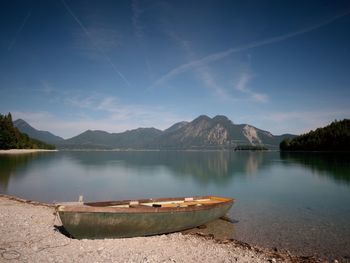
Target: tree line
[[12, 138], [334, 137], [250, 148]]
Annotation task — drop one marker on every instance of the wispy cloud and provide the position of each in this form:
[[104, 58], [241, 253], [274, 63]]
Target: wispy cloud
[[86, 102], [106, 38], [308, 116], [206, 76], [243, 82], [203, 73], [139, 33], [51, 93], [295, 121], [223, 54], [116, 110], [98, 48], [106, 114], [97, 111], [242, 86], [46, 87], [13, 42]]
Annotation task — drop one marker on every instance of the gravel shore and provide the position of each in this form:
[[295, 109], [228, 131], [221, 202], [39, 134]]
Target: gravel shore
[[30, 232]]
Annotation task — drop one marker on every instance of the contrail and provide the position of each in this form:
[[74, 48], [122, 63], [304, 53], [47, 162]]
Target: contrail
[[217, 56], [135, 18], [139, 34], [19, 31], [96, 47]]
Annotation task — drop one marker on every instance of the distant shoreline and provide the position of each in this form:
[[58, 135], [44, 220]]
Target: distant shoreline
[[24, 151], [161, 150]]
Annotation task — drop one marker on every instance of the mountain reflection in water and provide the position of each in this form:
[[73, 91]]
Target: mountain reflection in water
[[204, 167], [298, 201]]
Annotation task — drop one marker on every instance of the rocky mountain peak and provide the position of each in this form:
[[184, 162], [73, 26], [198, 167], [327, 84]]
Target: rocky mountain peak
[[221, 118], [44, 136], [202, 118], [176, 126], [201, 133]]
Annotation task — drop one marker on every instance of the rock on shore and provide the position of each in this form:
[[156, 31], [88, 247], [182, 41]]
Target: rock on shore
[[28, 233]]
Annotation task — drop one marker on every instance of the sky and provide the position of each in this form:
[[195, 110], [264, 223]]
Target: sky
[[69, 65]]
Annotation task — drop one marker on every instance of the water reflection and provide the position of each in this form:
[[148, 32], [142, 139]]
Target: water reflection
[[281, 199], [335, 166], [212, 167], [204, 167], [10, 164]]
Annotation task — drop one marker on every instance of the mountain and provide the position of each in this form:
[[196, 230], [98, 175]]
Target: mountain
[[218, 132], [201, 133], [137, 139], [176, 126], [12, 138], [334, 137], [44, 136]]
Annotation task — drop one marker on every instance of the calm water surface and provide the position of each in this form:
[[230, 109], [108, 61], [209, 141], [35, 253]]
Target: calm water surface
[[300, 202]]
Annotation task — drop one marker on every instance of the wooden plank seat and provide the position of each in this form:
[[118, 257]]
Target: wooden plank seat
[[175, 203], [192, 203]]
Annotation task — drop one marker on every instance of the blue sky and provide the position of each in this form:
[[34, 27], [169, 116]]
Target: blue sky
[[67, 65]]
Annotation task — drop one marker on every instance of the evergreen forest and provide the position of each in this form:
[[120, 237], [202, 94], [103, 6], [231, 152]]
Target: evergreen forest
[[334, 137], [12, 138]]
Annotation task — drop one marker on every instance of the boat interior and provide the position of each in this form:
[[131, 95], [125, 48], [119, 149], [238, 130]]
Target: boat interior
[[180, 202]]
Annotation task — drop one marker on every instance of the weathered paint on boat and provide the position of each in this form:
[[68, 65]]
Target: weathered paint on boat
[[101, 220]]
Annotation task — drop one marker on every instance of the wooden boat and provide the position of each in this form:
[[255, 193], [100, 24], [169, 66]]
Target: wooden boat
[[130, 218]]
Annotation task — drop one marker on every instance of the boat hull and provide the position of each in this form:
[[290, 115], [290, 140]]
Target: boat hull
[[96, 225]]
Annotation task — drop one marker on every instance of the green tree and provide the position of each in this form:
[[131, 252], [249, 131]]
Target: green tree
[[334, 137], [12, 138]]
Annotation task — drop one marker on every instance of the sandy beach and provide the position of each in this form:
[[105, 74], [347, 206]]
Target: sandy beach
[[30, 232], [24, 151]]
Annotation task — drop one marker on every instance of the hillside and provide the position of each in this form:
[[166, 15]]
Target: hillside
[[44, 136], [136, 139], [334, 137], [218, 132], [12, 138], [201, 133]]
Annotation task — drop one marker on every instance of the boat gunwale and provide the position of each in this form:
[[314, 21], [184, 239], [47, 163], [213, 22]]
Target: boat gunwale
[[104, 207]]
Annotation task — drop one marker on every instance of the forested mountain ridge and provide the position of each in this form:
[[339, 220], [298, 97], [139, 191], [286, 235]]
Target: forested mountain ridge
[[12, 138], [203, 132], [334, 137], [140, 138], [45, 136]]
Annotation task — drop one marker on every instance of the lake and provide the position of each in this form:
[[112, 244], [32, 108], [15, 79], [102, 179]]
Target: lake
[[299, 201]]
